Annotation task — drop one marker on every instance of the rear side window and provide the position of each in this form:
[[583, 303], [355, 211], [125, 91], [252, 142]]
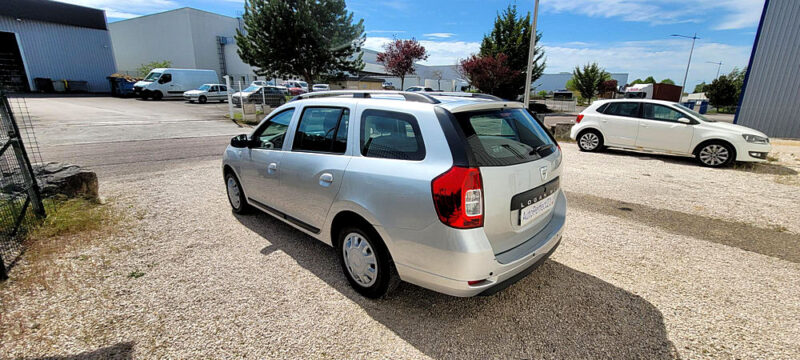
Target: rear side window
[[500, 137], [629, 109], [391, 135], [322, 129]]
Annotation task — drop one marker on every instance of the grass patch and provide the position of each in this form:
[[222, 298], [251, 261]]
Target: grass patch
[[71, 226], [135, 274]]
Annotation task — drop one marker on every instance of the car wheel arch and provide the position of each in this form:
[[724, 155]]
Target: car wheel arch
[[586, 129], [227, 169], [714, 140]]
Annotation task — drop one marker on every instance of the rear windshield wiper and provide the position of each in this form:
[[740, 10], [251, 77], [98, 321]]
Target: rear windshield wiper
[[538, 149]]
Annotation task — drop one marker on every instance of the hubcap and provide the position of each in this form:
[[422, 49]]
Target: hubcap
[[589, 141], [714, 155], [233, 192], [359, 258]]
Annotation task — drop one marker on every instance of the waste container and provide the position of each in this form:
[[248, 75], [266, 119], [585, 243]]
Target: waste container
[[59, 86], [43, 84], [688, 104], [78, 86], [703, 105]]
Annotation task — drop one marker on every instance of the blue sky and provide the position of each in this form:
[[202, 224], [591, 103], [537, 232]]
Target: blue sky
[[631, 36]]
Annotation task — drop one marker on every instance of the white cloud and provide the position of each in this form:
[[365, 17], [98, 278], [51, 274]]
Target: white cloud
[[439, 35], [728, 14], [124, 9], [439, 52]]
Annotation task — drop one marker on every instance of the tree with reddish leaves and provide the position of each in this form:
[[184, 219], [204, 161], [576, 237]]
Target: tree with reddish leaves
[[399, 57], [492, 75], [607, 88]]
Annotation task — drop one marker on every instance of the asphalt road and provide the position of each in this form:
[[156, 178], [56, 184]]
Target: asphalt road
[[115, 136]]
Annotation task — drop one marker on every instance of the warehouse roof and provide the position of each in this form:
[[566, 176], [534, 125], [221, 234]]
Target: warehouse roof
[[54, 12]]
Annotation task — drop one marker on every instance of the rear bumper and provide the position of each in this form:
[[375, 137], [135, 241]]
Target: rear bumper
[[463, 262]]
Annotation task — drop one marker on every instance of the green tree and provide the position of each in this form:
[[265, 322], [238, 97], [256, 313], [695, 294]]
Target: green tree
[[511, 36], [542, 94], [722, 92], [701, 87], [737, 77], [309, 38], [637, 81], [649, 80], [667, 81], [588, 80], [144, 69]]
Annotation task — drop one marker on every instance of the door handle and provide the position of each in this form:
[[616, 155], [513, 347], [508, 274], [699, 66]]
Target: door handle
[[272, 168], [326, 179]]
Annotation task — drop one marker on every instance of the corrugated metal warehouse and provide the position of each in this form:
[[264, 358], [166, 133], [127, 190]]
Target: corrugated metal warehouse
[[48, 39], [771, 93]]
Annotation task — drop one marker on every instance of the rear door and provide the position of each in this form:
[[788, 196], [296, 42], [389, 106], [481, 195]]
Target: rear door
[[312, 172], [519, 165], [659, 129], [620, 122]]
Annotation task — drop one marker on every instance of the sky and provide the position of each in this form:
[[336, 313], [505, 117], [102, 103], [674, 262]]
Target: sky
[[626, 36]]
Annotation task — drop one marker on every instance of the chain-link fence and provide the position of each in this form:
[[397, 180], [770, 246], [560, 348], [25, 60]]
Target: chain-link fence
[[561, 106], [21, 205]]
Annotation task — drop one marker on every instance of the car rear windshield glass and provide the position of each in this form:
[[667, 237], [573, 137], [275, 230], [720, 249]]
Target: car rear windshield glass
[[502, 137]]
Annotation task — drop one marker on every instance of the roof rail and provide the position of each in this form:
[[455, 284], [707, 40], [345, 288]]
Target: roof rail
[[465, 94], [365, 94]]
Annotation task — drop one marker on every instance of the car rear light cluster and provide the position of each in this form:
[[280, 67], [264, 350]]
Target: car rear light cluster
[[579, 118], [458, 197]]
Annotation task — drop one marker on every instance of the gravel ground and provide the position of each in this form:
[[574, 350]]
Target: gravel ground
[[627, 281]]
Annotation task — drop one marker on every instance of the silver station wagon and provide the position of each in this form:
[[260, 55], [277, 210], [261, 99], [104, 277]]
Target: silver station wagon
[[454, 192]]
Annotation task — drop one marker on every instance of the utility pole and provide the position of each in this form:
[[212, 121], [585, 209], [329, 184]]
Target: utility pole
[[719, 66], [694, 38], [529, 73]]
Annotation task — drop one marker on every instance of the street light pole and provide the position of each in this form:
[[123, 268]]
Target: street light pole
[[719, 66], [694, 38], [529, 73]]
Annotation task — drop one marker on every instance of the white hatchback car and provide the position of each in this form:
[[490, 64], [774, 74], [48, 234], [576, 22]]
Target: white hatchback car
[[666, 127]]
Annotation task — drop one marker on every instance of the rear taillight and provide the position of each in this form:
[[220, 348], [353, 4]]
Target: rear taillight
[[458, 197], [579, 118]]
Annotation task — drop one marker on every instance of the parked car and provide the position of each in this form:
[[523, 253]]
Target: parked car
[[666, 127], [269, 95], [320, 87], [420, 88], [259, 83], [294, 91], [207, 92], [458, 194], [168, 82], [296, 84]]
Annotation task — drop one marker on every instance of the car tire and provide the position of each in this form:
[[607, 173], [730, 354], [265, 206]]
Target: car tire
[[361, 253], [590, 141], [236, 196], [715, 154], [202, 99], [145, 95], [157, 95]]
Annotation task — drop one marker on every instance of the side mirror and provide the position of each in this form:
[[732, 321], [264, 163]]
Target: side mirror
[[240, 141], [684, 120]]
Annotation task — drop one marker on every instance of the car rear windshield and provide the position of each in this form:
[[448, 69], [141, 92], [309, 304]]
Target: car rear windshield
[[501, 137]]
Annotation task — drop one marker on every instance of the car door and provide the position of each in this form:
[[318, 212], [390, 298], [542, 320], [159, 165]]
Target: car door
[[213, 92], [620, 123], [261, 168], [222, 92], [660, 130], [312, 172]]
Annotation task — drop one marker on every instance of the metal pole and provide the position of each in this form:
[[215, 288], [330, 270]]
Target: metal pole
[[683, 87], [529, 73], [228, 88], [241, 100]]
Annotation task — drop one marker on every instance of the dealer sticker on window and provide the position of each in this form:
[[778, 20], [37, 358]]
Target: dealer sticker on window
[[530, 212]]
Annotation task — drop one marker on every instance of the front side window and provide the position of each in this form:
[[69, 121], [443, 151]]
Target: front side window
[[272, 133], [501, 137], [322, 129], [629, 109], [391, 135], [165, 78], [659, 112]]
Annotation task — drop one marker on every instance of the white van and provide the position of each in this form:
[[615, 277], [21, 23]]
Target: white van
[[167, 82]]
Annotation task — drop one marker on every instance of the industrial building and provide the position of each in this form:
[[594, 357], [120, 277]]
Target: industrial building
[[46, 43], [188, 38], [558, 81], [770, 99]]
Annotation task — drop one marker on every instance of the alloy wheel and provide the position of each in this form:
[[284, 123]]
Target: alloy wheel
[[714, 155], [589, 141]]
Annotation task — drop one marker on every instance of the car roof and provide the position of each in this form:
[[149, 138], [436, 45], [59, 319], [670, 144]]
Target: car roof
[[662, 102], [453, 102]]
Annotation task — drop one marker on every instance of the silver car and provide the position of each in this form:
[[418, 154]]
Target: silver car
[[458, 193]]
